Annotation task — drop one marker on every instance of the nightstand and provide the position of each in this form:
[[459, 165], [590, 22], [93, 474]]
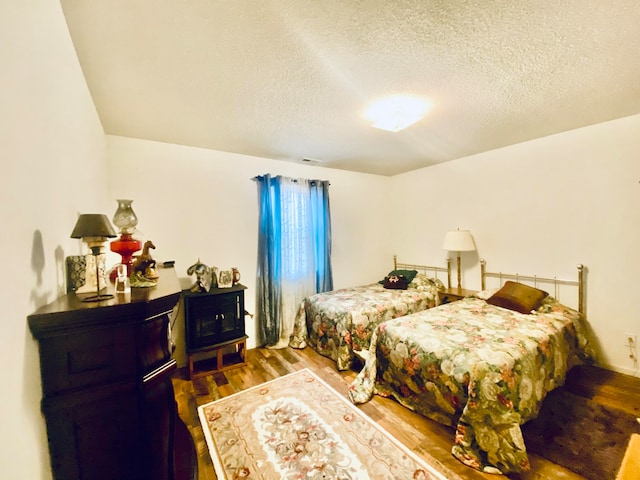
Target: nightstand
[[454, 294]]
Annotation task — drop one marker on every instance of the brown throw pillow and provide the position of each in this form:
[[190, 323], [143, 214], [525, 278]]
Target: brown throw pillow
[[396, 282], [519, 297]]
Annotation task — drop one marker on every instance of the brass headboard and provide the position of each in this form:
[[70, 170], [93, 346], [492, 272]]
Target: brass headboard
[[556, 282], [424, 268]]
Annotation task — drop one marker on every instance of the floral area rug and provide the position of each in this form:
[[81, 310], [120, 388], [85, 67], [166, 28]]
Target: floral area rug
[[298, 427]]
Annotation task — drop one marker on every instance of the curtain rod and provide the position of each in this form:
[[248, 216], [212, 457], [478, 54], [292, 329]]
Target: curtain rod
[[295, 180]]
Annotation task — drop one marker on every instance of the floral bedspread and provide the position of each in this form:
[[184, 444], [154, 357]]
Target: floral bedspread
[[337, 323], [480, 368]]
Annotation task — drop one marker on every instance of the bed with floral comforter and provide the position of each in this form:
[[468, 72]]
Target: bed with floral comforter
[[480, 368], [338, 323]]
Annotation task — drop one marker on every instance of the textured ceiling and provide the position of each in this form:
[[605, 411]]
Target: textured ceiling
[[291, 79]]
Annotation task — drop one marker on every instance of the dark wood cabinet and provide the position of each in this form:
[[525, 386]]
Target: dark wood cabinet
[[214, 324], [108, 398]]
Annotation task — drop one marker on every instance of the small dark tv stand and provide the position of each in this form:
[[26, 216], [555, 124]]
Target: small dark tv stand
[[215, 330]]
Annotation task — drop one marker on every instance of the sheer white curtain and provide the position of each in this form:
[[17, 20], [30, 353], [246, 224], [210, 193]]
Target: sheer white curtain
[[298, 255]]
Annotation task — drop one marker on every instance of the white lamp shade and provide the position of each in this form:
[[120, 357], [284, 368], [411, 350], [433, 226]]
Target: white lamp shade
[[459, 241]]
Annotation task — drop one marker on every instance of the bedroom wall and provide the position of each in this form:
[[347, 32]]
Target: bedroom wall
[[542, 207], [196, 203], [53, 162]]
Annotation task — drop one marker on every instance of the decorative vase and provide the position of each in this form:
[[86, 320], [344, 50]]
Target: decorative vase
[[236, 275]]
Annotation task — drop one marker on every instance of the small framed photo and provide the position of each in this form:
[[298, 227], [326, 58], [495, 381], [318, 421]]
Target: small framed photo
[[225, 278]]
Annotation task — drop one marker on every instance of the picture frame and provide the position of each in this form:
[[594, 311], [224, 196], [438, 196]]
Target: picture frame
[[76, 272], [225, 278]]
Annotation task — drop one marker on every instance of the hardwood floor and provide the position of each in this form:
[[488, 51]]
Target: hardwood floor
[[416, 432]]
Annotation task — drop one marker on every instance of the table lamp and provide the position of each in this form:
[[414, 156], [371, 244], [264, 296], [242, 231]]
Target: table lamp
[[126, 220], [94, 229], [459, 241]]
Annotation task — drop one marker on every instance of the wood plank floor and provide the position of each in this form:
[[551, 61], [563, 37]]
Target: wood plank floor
[[416, 432]]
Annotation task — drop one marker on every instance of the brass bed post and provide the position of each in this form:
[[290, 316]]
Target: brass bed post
[[448, 272], [581, 288], [483, 265], [395, 262]]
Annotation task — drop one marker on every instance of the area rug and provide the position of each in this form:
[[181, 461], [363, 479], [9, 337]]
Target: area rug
[[580, 434], [298, 427]]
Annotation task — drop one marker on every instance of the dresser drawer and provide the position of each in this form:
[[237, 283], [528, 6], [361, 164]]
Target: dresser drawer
[[153, 343], [86, 358]]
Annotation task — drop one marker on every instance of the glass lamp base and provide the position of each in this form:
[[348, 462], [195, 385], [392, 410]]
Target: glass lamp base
[[125, 246]]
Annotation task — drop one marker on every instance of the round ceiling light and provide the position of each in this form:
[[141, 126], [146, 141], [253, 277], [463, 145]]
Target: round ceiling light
[[397, 112]]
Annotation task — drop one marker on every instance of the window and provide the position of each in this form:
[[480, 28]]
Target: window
[[294, 251]]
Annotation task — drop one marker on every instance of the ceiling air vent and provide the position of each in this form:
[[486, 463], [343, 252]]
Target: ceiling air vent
[[311, 160]]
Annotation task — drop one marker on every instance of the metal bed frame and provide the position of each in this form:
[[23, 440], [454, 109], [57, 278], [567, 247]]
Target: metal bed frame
[[536, 280], [424, 268]]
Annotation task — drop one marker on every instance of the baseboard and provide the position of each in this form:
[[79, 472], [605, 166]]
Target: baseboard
[[626, 371], [634, 372]]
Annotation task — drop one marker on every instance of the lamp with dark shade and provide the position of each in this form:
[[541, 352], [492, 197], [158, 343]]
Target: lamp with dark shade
[[94, 229], [459, 241]]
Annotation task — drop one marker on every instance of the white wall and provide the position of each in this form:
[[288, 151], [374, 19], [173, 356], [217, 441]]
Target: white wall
[[196, 203], [542, 207], [53, 163]]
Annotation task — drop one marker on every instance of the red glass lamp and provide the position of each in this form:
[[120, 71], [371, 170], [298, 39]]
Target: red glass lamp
[[125, 219]]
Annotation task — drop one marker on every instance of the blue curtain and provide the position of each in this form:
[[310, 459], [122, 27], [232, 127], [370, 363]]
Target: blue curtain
[[268, 288], [294, 251], [321, 215]]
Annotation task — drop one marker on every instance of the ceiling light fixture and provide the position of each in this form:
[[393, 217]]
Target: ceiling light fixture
[[397, 112]]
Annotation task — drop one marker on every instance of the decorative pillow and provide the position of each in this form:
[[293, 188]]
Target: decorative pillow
[[422, 282], [517, 296], [408, 274], [396, 282]]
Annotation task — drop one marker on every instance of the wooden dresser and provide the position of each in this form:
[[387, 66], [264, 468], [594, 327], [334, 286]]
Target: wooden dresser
[[108, 399]]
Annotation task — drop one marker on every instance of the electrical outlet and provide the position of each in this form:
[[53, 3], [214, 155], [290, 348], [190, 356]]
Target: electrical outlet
[[631, 340], [631, 343]]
